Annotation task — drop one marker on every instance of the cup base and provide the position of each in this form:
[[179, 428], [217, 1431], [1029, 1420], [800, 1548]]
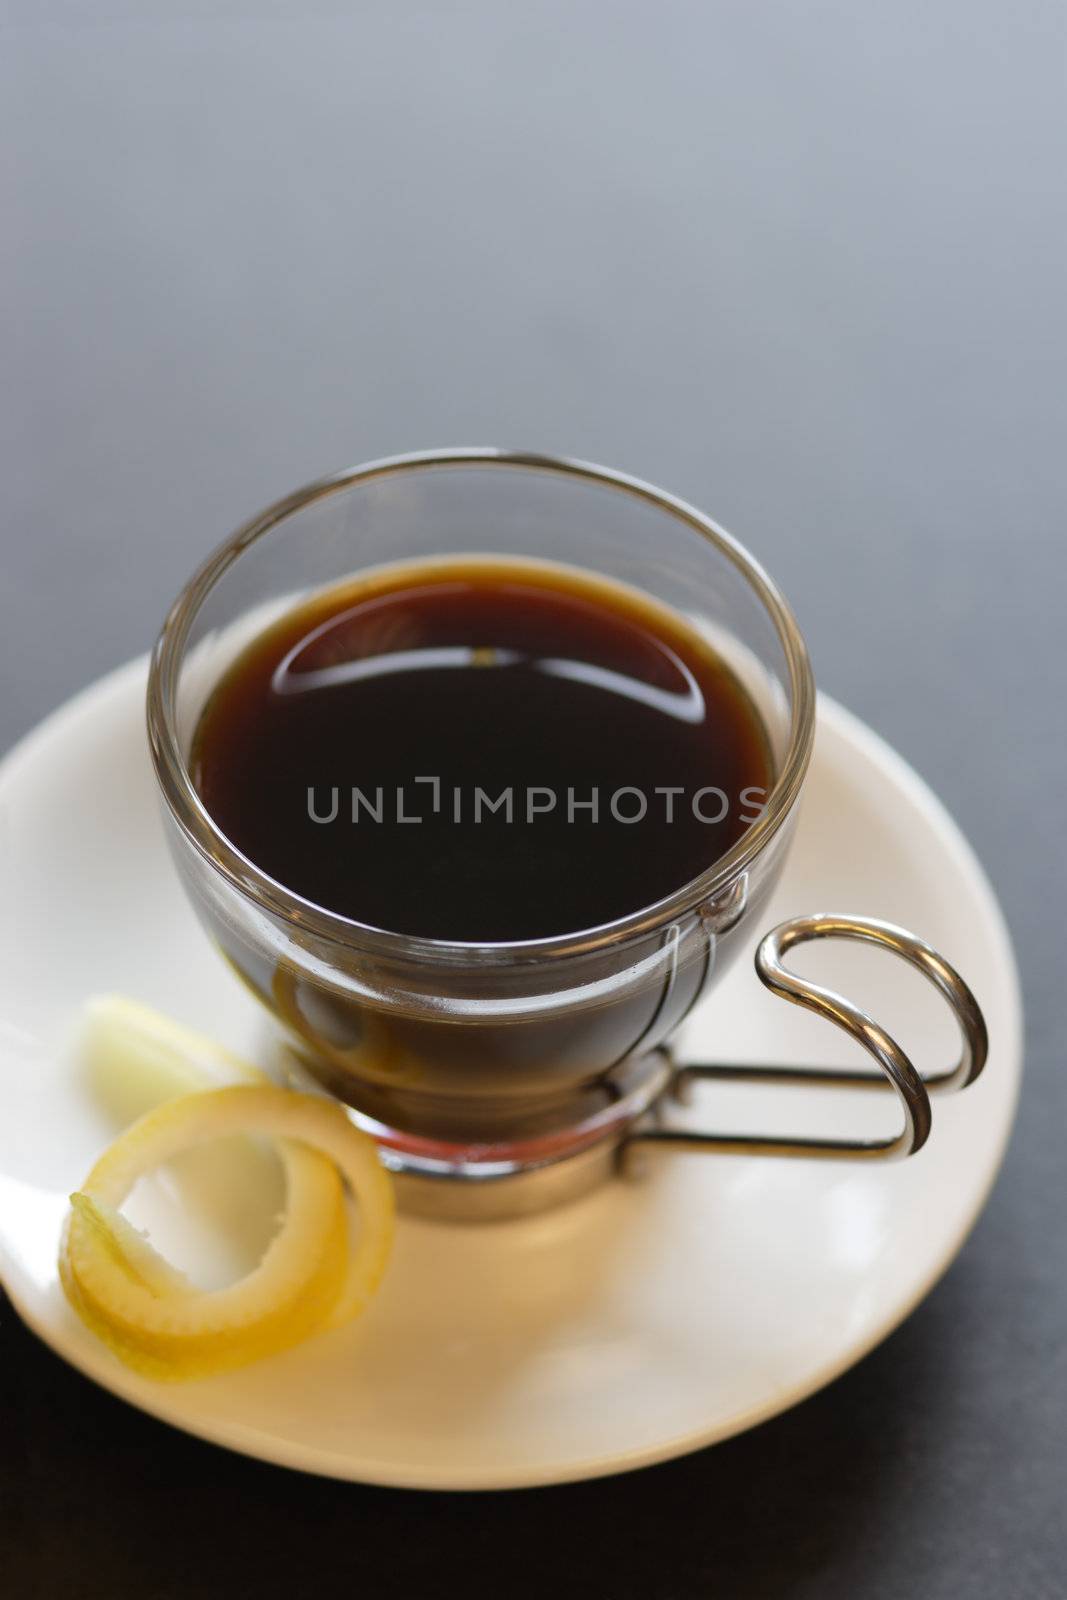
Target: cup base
[[454, 1182]]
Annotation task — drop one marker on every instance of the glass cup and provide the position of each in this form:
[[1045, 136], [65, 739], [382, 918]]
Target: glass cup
[[487, 1061]]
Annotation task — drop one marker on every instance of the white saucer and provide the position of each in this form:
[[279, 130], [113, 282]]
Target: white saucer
[[639, 1323]]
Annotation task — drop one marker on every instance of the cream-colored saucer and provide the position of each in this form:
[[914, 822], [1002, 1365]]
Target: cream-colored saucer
[[646, 1320]]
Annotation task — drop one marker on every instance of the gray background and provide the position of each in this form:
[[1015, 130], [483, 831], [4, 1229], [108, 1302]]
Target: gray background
[[801, 263]]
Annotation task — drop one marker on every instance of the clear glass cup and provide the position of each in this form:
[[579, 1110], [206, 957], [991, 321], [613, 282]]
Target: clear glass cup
[[460, 1055]]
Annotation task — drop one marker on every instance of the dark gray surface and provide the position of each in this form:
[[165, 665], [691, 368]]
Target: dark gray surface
[[800, 263]]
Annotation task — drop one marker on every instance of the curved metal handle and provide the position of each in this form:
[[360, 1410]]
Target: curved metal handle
[[896, 1071]]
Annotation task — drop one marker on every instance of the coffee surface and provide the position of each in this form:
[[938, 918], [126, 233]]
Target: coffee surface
[[481, 751]]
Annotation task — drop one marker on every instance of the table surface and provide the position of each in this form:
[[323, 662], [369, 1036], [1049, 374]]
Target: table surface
[[802, 265]]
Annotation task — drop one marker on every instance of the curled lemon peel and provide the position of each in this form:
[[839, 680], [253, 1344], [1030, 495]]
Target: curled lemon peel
[[317, 1272]]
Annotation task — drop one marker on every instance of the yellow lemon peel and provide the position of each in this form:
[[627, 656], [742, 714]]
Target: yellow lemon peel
[[317, 1271]]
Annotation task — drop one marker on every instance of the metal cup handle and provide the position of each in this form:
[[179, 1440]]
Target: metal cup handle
[[896, 1069]]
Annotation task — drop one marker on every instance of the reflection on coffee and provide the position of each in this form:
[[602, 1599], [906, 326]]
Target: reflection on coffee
[[481, 750]]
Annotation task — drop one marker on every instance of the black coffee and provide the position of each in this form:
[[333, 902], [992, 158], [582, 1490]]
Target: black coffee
[[571, 752]]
